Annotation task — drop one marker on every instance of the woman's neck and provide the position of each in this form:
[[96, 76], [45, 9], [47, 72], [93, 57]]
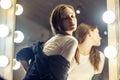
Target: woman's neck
[[69, 32], [84, 48]]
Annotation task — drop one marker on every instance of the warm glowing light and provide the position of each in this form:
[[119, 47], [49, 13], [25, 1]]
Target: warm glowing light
[[4, 30], [3, 61], [5, 4], [110, 52], [16, 64], [108, 17], [105, 33], [19, 9], [78, 11], [19, 37]]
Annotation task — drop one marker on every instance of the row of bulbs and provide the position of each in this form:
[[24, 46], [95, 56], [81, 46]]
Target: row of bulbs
[[5, 31], [18, 37], [110, 51], [6, 4], [4, 61]]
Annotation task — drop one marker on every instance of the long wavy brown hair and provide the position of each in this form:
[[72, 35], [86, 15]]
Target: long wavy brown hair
[[81, 33]]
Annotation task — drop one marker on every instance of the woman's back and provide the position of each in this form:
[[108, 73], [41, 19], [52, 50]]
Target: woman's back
[[61, 45]]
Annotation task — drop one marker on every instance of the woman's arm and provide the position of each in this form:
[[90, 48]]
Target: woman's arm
[[70, 49], [25, 64]]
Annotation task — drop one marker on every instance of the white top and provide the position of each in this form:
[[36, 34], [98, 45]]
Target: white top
[[84, 70], [64, 45]]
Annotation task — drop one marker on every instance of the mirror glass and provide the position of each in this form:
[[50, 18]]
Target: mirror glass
[[34, 23]]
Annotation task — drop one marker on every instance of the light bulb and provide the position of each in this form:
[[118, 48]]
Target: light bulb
[[78, 11], [16, 64], [4, 30], [19, 37], [110, 52], [108, 17], [5, 4], [19, 9], [3, 61]]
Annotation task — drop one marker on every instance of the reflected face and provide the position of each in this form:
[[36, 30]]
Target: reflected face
[[96, 37], [69, 21]]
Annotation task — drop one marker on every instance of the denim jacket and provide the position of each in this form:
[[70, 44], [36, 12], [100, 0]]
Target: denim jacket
[[45, 67]]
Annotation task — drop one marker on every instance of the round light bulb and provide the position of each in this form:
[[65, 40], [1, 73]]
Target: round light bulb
[[19, 9], [78, 11], [16, 64], [108, 17], [3, 61], [19, 37], [110, 52], [105, 33], [5, 4], [4, 30]]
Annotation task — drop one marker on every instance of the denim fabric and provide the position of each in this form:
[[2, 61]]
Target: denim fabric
[[58, 66], [39, 70], [25, 54], [28, 53], [47, 67]]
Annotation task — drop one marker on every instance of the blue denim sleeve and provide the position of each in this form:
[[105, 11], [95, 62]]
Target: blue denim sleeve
[[25, 54]]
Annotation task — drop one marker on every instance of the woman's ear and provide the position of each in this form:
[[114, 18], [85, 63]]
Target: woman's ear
[[90, 33]]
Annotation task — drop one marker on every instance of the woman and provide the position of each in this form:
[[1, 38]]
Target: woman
[[63, 23], [60, 49], [90, 61]]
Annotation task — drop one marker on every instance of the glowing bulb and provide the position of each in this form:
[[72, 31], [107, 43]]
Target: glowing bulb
[[5, 4], [78, 11], [16, 64], [19, 9], [19, 37], [108, 17], [3, 61], [110, 52], [105, 32], [4, 30]]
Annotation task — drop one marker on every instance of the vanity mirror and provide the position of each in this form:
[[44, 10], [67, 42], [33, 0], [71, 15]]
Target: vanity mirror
[[34, 23]]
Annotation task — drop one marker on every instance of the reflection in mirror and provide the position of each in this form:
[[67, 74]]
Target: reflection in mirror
[[34, 23]]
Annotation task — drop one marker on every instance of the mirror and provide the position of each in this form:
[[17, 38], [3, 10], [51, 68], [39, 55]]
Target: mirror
[[34, 23]]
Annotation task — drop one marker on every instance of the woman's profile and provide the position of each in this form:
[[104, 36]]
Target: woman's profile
[[90, 61]]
